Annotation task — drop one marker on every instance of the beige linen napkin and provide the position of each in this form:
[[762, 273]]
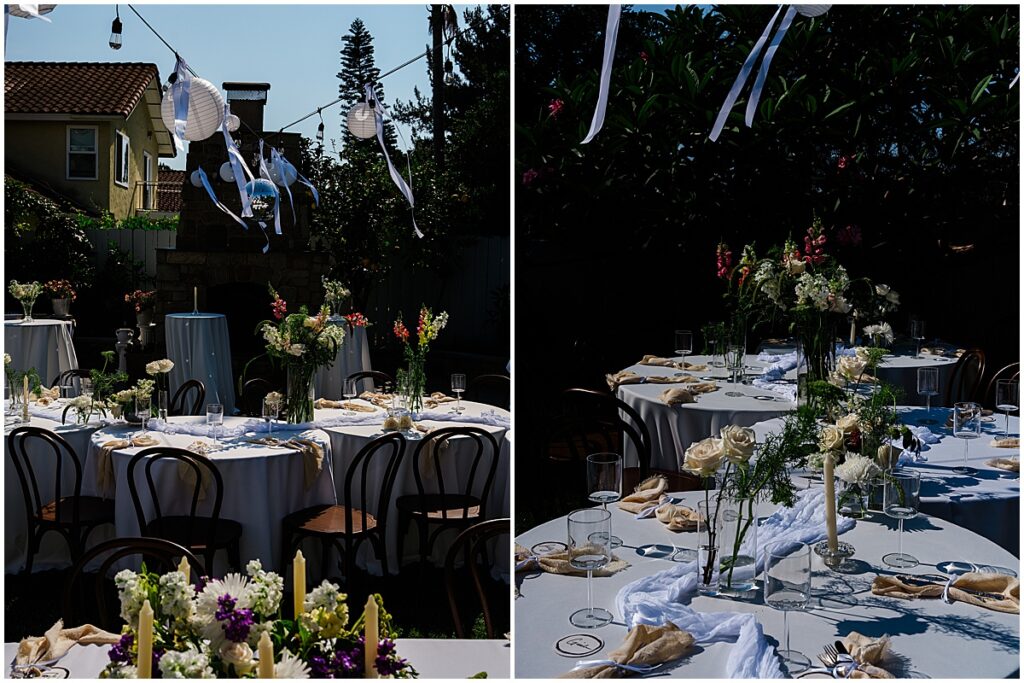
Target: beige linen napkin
[[376, 398], [943, 351], [345, 405], [105, 464], [646, 493], [644, 646], [677, 396], [312, 459], [629, 377], [676, 517], [1008, 464], [869, 654], [436, 399], [670, 363], [998, 584], [558, 563], [58, 640], [1012, 442], [45, 397]]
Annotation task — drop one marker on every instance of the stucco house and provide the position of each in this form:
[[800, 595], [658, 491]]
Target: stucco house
[[88, 131]]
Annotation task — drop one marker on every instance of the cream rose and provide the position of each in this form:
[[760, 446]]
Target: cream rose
[[159, 366], [704, 457], [238, 655], [851, 367], [166, 365], [795, 266], [831, 438], [849, 423], [738, 443], [887, 456]]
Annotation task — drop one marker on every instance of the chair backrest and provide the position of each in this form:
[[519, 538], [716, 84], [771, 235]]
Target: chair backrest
[[253, 393], [495, 390], [161, 557], [364, 473], [594, 421], [198, 466], [473, 543], [481, 455], [179, 405], [18, 444], [966, 377], [379, 379], [1011, 372], [69, 374]]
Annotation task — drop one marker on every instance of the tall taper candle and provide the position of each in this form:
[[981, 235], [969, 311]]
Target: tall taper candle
[[24, 402], [266, 653], [853, 332], [830, 502], [370, 638], [185, 569], [145, 661], [195, 299], [299, 582]]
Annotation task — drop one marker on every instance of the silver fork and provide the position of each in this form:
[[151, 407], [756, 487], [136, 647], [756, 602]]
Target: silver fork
[[830, 657]]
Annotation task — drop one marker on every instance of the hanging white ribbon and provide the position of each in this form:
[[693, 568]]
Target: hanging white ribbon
[[405, 188], [238, 166], [282, 166], [1013, 82], [180, 91], [762, 74], [264, 173], [611, 36], [33, 11]]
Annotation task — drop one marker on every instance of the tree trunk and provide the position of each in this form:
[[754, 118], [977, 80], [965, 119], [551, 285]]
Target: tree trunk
[[437, 20]]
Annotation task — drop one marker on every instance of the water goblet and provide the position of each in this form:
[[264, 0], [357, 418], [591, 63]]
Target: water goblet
[[900, 500], [604, 483], [927, 386], [734, 363], [458, 386], [684, 343], [1008, 401], [589, 531], [966, 426], [270, 412], [917, 334], [143, 404], [215, 418], [787, 586], [348, 392]]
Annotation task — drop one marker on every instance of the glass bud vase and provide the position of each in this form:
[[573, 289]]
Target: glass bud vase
[[709, 536], [162, 402], [299, 401], [853, 501], [414, 384], [739, 545], [26, 306]]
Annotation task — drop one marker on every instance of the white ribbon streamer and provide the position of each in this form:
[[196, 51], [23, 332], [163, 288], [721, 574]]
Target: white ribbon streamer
[[264, 173], [180, 91], [238, 166], [282, 166], [611, 36], [405, 188], [1013, 82], [33, 10]]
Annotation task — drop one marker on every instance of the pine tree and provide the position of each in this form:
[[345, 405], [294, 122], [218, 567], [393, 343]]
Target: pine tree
[[358, 69]]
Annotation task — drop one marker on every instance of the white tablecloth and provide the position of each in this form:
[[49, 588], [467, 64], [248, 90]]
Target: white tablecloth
[[987, 503], [353, 356], [938, 640], [901, 371], [431, 658], [261, 486], [200, 349], [41, 344], [674, 428], [346, 442]]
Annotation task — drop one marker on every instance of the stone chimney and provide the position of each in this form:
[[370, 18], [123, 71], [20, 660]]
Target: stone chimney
[[247, 101]]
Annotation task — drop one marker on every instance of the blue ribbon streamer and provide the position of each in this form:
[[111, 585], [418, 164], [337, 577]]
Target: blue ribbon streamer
[[282, 167], [238, 166], [180, 91], [264, 173], [611, 36], [762, 74]]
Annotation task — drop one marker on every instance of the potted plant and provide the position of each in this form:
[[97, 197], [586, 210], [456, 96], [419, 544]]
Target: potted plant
[[144, 302], [61, 295]]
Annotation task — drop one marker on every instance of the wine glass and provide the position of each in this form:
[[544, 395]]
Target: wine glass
[[215, 418], [604, 484], [684, 343], [1008, 401], [143, 404], [270, 411], [900, 500], [966, 426], [589, 531], [734, 363], [917, 334], [458, 386], [787, 586], [348, 392], [927, 386]]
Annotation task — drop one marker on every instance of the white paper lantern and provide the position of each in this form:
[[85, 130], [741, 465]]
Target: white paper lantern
[[361, 121], [205, 110], [196, 180], [233, 123], [812, 10], [227, 174], [17, 11], [282, 176], [263, 196]]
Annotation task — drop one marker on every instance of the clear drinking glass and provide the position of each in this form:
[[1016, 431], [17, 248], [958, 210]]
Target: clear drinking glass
[[708, 556], [604, 484], [589, 531], [684, 343], [85, 386], [900, 500], [143, 404], [787, 586], [966, 426], [215, 418], [734, 363], [348, 392], [1007, 400], [917, 334], [270, 412], [927, 386], [458, 386], [162, 401]]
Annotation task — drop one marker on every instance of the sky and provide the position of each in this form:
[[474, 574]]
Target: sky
[[295, 48]]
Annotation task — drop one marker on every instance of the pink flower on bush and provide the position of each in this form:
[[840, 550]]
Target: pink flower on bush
[[814, 245], [644, 56], [723, 260], [555, 107], [530, 176], [842, 162]]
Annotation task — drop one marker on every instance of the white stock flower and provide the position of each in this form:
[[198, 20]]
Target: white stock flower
[[267, 589], [738, 443], [857, 469], [190, 663], [132, 594], [704, 457], [813, 290], [120, 671], [176, 596]]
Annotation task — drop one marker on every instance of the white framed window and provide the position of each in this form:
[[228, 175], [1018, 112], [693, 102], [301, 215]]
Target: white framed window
[[122, 154], [148, 186], [83, 152]]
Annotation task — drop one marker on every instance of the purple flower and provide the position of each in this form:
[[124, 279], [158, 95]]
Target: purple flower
[[122, 652], [237, 622]]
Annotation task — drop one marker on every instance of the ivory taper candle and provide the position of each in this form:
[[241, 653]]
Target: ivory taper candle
[[145, 661], [185, 569], [195, 299], [266, 653], [299, 582], [371, 638], [853, 332], [830, 501], [24, 402]]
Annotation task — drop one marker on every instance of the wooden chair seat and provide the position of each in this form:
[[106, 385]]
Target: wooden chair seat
[[175, 529], [437, 506], [91, 510], [329, 520]]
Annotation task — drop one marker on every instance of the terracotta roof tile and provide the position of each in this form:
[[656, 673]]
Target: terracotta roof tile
[[75, 87]]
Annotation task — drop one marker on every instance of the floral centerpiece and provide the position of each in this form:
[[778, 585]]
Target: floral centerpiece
[[123, 403], [413, 380], [357, 319], [62, 293], [335, 295], [223, 628], [105, 383], [26, 294], [160, 369], [304, 343], [143, 302]]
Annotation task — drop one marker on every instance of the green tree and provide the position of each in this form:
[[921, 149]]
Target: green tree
[[358, 69]]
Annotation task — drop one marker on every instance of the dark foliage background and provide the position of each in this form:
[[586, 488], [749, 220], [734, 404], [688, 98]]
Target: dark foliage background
[[895, 125]]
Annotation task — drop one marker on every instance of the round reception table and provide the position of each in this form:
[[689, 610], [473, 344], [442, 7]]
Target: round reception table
[[41, 344], [198, 344]]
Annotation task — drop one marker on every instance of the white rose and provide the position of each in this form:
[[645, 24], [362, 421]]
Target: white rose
[[795, 266], [848, 423], [851, 367], [882, 290], [153, 368], [887, 456], [831, 438], [704, 457], [166, 365], [297, 349], [239, 655], [738, 443], [309, 322]]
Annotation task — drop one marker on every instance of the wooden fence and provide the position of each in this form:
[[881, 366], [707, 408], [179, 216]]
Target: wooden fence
[[141, 244]]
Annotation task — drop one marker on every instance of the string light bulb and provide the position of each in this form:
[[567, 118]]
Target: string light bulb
[[115, 30], [320, 128]]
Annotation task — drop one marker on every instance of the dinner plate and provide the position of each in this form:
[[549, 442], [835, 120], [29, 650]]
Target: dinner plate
[[764, 397], [656, 550]]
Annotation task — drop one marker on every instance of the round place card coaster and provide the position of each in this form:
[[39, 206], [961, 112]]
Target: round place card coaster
[[656, 550], [548, 548], [578, 645], [950, 568]]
